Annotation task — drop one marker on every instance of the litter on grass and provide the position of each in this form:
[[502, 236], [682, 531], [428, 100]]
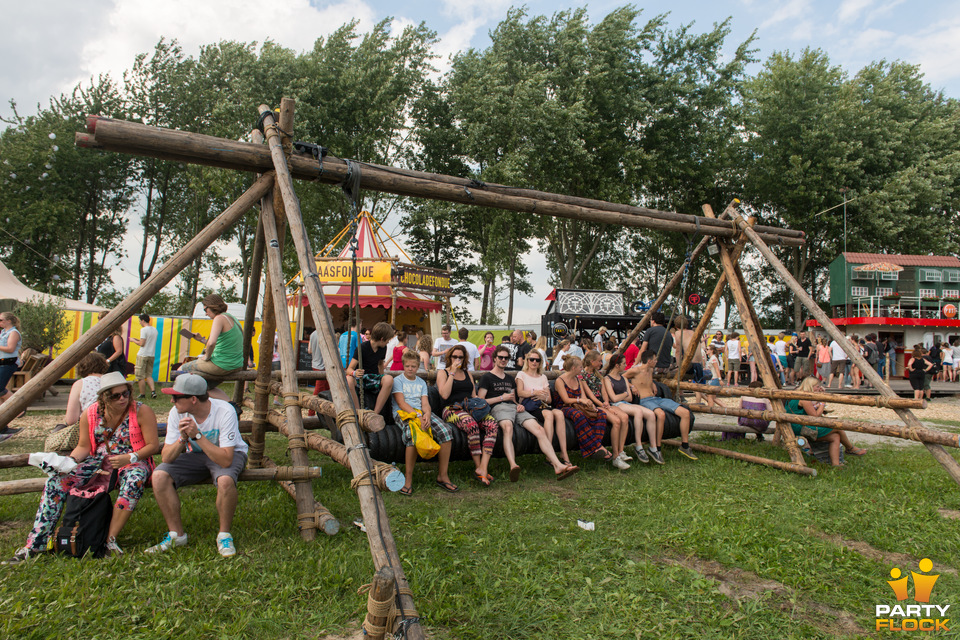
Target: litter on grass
[[586, 526]]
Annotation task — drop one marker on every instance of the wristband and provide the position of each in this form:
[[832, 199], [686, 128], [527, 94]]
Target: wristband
[[134, 458]]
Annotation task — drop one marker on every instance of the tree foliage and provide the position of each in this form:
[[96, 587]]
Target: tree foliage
[[43, 324]]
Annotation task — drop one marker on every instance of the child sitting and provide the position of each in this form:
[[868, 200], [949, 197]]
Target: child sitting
[[410, 395]]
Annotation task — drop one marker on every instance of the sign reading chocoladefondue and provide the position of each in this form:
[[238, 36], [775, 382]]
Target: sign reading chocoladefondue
[[422, 278]]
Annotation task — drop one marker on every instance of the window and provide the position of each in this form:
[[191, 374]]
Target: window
[[889, 275], [928, 293], [953, 276], [864, 275], [859, 291], [951, 293], [884, 291], [930, 275]]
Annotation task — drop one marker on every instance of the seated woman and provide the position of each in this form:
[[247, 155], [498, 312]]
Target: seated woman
[[533, 393], [112, 349], [223, 353], [84, 391], [455, 385], [116, 432], [563, 350], [819, 434], [618, 419], [571, 395], [618, 393]]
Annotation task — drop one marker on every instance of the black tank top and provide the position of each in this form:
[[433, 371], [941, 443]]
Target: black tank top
[[461, 390], [619, 386]]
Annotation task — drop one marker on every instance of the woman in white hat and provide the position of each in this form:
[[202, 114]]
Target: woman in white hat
[[116, 432]]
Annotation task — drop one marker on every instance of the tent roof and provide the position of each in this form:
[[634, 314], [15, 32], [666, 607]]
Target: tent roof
[[12, 289], [368, 246]]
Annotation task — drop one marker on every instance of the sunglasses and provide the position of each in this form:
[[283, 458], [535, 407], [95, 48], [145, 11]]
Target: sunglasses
[[501, 357], [533, 359], [456, 357], [120, 396]]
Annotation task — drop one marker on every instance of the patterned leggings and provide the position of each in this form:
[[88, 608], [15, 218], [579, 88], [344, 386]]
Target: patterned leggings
[[131, 483], [468, 425], [589, 432]]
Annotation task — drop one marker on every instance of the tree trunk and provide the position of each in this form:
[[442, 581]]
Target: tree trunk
[[513, 282], [146, 222]]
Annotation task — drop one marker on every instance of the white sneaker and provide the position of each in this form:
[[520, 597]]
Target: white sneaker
[[623, 456], [620, 464], [169, 542], [225, 545]]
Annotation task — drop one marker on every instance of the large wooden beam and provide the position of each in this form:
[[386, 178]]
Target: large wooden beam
[[938, 452], [128, 137], [757, 344], [922, 434], [383, 547], [35, 387], [793, 467], [880, 402]]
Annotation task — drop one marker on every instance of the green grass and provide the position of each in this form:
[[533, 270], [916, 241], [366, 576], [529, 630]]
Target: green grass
[[510, 561]]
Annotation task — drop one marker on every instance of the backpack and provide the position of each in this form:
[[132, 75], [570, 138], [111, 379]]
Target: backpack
[[871, 354], [86, 523]]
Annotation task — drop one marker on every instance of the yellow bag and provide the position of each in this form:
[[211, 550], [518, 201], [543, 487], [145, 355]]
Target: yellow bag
[[426, 446]]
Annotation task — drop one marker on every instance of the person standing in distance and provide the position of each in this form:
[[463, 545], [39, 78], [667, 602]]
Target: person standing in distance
[[145, 358]]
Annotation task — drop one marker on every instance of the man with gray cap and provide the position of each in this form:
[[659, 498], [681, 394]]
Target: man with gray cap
[[203, 442]]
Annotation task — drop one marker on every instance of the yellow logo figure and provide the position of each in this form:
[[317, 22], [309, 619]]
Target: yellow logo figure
[[898, 584], [923, 585]]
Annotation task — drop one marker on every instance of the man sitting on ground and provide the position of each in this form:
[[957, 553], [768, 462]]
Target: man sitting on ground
[[202, 443], [642, 378]]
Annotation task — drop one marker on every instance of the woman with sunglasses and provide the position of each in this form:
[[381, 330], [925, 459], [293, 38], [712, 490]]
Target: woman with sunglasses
[[116, 433], [455, 385], [533, 389]]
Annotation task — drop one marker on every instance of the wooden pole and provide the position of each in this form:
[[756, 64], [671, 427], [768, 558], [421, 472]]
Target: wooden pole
[[757, 345], [669, 287], [288, 364], [793, 467], [784, 394], [253, 295], [35, 387], [325, 520], [944, 458], [922, 434], [33, 485], [369, 420], [385, 476], [127, 137], [382, 545], [380, 601]]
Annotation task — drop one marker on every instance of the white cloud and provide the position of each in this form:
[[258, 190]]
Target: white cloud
[[135, 26], [936, 50], [850, 10], [789, 10]]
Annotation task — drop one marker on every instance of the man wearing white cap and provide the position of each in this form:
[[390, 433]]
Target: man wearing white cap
[[203, 442]]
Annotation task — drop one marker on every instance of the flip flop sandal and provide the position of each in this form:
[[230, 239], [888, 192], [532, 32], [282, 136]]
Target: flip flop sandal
[[566, 473], [448, 486], [514, 474], [406, 492], [485, 480]]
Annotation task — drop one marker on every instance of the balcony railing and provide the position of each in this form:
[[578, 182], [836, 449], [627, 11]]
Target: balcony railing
[[894, 306]]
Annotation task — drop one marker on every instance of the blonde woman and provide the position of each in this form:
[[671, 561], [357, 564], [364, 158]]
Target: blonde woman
[[541, 346], [572, 394], [533, 389], [424, 349], [563, 350]]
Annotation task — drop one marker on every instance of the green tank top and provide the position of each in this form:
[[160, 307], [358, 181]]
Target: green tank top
[[228, 352]]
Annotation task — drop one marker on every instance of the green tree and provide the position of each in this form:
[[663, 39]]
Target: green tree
[[43, 324]]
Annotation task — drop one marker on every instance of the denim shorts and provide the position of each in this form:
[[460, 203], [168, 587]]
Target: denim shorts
[[654, 402]]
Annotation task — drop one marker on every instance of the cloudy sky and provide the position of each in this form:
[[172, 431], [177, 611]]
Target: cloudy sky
[[52, 45]]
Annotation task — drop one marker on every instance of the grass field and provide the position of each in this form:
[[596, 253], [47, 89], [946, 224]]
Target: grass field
[[707, 549]]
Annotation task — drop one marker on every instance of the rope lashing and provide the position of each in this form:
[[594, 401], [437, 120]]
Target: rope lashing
[[380, 472], [386, 609], [307, 521], [291, 399], [297, 441]]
